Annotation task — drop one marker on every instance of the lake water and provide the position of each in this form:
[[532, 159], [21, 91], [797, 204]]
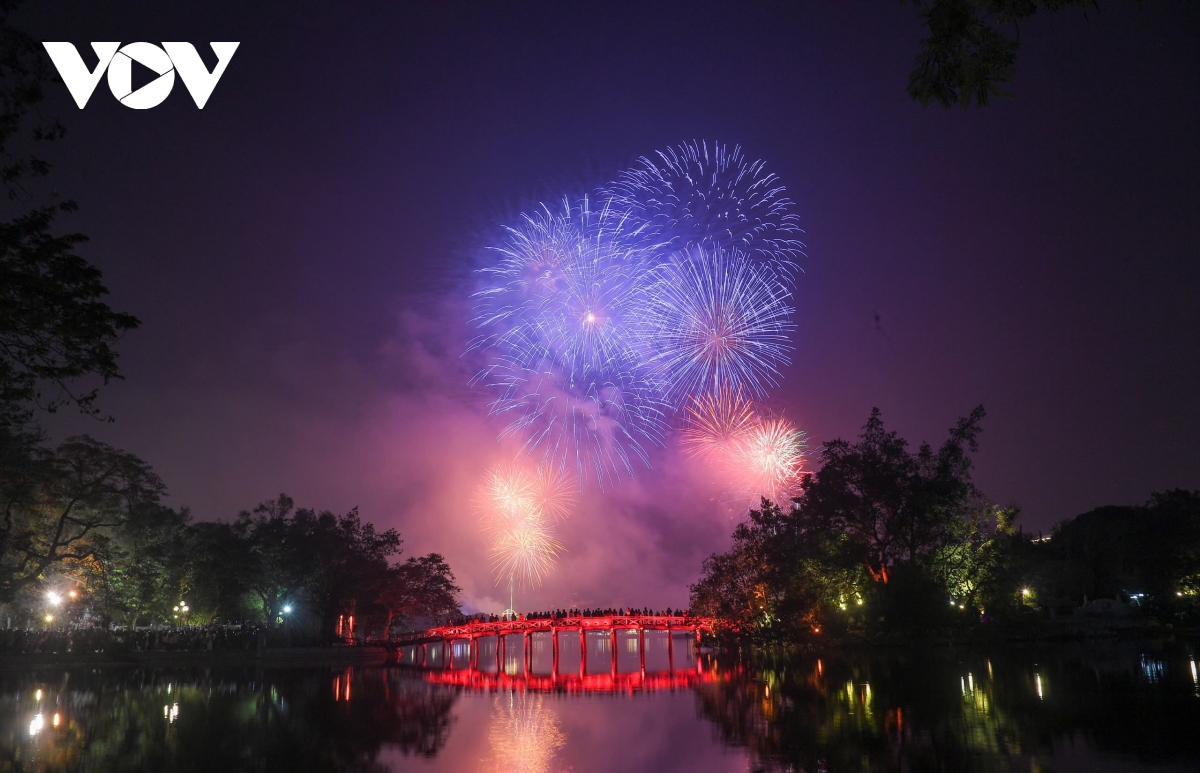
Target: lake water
[[1103, 707]]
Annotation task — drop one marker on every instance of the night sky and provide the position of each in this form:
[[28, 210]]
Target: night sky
[[300, 252]]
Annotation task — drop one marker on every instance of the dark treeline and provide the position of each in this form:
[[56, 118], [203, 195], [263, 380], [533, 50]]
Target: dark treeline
[[90, 543], [883, 540], [85, 538]]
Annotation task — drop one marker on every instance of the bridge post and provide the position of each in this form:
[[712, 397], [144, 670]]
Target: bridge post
[[670, 649], [582, 650], [500, 646], [554, 644], [642, 648], [613, 638]]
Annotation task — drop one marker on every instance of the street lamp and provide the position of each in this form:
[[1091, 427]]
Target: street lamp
[[287, 609], [53, 598]]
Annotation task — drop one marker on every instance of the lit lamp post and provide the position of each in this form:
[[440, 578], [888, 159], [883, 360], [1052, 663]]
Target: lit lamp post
[[53, 599], [181, 610]]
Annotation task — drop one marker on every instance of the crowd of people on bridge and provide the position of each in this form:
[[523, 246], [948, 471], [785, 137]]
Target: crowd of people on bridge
[[565, 614]]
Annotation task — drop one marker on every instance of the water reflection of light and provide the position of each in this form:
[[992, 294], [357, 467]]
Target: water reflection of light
[[1195, 678], [37, 724], [1152, 669], [524, 735], [37, 696], [1037, 680], [341, 685], [171, 713], [56, 720]]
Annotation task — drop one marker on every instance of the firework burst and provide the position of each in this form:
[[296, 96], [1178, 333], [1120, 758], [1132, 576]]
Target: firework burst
[[756, 455], [703, 194], [713, 321], [769, 461], [519, 508], [555, 319], [717, 423]]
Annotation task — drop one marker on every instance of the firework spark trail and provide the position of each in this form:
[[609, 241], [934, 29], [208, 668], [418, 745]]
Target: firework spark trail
[[597, 326], [702, 194], [554, 323], [712, 321], [519, 507], [770, 459], [757, 456], [717, 422]]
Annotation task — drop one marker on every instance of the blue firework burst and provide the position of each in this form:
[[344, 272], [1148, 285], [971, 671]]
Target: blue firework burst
[[702, 194], [713, 321], [555, 319]]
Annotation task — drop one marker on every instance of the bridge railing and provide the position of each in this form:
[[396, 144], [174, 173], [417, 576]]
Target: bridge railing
[[480, 628]]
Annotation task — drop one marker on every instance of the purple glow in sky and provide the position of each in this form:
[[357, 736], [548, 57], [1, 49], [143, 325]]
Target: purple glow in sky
[[302, 249]]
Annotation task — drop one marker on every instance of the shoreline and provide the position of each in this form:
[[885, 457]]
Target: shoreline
[[279, 657]]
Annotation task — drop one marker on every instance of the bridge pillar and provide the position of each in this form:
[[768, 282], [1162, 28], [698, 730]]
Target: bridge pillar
[[613, 638], [670, 649], [554, 645], [642, 648], [500, 653], [582, 650]]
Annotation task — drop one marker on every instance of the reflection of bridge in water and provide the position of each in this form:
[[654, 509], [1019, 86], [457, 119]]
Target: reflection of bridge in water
[[609, 653]]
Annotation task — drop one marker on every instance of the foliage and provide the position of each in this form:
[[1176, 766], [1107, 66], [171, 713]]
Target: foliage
[[1115, 552], [968, 53], [327, 566], [873, 513], [56, 507], [55, 328], [140, 572], [896, 506], [420, 587]]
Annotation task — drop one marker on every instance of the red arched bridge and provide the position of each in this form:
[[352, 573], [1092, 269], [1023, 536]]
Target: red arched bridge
[[610, 652]]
